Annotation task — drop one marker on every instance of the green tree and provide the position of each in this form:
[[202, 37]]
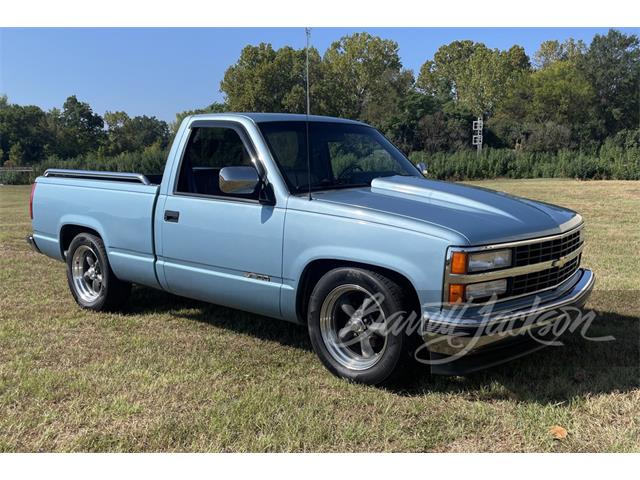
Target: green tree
[[402, 127], [612, 66], [439, 77], [81, 130], [55, 133], [517, 60], [127, 134], [551, 51], [561, 93], [16, 155], [115, 120], [24, 124], [552, 108], [481, 85], [446, 129], [268, 80], [509, 121], [471, 74], [363, 78]]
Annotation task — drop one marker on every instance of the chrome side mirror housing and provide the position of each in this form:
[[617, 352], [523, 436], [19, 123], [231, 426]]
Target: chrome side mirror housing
[[422, 168], [241, 180]]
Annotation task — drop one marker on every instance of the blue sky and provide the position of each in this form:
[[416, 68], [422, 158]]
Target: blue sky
[[161, 71]]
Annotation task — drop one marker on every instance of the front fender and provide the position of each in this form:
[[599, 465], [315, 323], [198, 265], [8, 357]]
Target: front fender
[[310, 237]]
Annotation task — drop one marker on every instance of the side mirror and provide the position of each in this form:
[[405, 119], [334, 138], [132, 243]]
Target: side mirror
[[422, 168], [238, 180]]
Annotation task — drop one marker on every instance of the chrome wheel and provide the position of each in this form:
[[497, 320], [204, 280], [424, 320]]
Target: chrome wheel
[[86, 272], [353, 326]]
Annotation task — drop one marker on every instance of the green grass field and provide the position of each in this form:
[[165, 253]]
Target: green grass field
[[175, 375]]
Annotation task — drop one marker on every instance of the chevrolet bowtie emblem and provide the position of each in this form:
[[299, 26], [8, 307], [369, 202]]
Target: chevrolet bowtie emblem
[[559, 263]]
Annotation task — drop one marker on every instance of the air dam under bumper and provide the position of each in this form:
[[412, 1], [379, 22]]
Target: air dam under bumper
[[459, 342]]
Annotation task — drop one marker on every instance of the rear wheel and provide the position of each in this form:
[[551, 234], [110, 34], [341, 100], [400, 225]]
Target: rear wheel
[[351, 320], [91, 280]]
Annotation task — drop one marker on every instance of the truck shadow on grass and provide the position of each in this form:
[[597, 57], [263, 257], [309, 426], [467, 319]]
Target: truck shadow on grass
[[553, 375], [145, 300], [557, 373]]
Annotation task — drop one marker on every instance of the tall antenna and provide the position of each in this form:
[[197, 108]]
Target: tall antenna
[[307, 32]]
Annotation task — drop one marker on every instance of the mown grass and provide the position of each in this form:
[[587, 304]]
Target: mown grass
[[170, 374]]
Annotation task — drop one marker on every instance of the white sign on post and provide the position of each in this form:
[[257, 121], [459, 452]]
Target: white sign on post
[[477, 133]]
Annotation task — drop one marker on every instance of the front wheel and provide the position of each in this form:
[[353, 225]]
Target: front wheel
[[355, 327], [91, 280]]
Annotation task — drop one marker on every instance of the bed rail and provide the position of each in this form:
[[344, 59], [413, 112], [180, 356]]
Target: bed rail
[[97, 175]]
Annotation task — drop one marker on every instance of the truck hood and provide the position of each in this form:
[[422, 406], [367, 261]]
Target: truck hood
[[480, 215]]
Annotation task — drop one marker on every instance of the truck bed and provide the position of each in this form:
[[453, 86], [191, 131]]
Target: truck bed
[[118, 206]]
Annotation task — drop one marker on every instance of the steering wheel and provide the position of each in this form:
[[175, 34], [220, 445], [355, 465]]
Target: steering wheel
[[354, 167]]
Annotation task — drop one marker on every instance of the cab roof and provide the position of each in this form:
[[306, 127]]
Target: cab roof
[[275, 117]]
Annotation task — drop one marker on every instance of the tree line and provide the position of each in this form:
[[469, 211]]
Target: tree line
[[29, 135], [570, 100], [568, 96]]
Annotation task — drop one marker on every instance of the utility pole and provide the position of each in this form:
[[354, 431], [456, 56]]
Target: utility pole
[[477, 134]]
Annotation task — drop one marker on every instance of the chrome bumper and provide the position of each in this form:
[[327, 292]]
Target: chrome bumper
[[457, 333], [32, 244]]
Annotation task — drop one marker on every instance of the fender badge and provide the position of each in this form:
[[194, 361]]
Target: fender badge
[[258, 276]]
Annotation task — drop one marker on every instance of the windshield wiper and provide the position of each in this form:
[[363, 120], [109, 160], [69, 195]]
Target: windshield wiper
[[319, 188], [345, 185]]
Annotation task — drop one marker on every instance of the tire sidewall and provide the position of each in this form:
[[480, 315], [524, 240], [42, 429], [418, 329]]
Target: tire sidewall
[[98, 247], [394, 350]]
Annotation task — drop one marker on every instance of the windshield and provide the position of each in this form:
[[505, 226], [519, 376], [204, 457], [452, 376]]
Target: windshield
[[342, 155]]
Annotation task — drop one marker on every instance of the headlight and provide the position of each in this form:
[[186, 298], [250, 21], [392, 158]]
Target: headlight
[[471, 263], [486, 289], [489, 260]]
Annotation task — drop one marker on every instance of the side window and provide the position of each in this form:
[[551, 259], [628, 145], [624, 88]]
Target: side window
[[209, 150]]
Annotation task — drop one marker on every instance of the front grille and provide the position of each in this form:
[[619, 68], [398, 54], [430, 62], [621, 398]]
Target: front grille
[[545, 251], [532, 282], [535, 253]]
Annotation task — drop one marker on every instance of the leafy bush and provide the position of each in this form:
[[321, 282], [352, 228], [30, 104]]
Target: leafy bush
[[15, 178], [149, 161], [617, 159], [610, 162]]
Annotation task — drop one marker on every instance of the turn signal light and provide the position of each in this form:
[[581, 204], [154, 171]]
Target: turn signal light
[[459, 262], [456, 293]]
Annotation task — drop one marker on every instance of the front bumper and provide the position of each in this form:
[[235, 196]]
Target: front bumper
[[461, 340]]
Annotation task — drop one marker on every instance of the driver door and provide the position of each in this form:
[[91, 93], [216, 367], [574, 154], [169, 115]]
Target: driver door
[[221, 248]]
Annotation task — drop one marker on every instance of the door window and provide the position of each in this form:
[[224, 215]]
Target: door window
[[208, 151]]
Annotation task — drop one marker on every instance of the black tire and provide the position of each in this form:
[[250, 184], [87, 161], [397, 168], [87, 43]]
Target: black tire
[[112, 293], [393, 358]]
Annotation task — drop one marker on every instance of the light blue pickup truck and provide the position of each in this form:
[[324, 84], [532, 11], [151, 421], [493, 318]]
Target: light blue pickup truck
[[321, 221]]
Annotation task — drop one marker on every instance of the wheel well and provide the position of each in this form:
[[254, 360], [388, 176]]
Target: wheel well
[[316, 269], [69, 232]]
